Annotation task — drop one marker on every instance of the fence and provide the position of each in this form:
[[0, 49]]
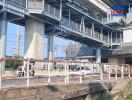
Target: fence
[[88, 31], [61, 72]]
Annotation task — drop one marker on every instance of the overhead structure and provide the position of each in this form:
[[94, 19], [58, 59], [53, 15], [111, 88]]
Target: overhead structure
[[76, 20]]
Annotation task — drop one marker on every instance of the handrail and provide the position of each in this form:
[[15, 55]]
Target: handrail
[[19, 3], [76, 26]]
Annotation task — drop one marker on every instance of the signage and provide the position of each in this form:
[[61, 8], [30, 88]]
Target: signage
[[118, 11]]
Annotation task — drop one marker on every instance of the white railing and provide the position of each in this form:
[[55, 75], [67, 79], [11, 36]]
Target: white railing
[[62, 72]]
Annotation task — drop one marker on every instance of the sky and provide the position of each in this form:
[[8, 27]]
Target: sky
[[11, 42]]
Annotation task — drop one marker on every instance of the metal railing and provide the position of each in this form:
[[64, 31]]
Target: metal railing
[[88, 31], [20, 3], [35, 5], [86, 11], [62, 71], [52, 10], [39, 5]]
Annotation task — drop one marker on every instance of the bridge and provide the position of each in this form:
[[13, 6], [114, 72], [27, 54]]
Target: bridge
[[102, 79], [88, 24], [63, 18]]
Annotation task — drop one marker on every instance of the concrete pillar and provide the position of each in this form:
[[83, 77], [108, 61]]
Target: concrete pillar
[[3, 38], [98, 55], [34, 40], [50, 46]]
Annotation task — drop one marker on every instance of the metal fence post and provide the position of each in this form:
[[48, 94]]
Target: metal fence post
[[122, 72], [109, 73], [28, 73], [65, 73], [80, 74], [116, 72], [0, 74], [101, 73], [49, 72], [129, 71]]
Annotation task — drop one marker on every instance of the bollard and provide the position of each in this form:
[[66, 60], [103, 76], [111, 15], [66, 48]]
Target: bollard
[[28, 73]]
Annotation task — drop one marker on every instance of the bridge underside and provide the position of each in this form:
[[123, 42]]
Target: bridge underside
[[61, 19]]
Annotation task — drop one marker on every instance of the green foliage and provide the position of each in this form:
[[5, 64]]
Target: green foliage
[[129, 95], [104, 96], [13, 64]]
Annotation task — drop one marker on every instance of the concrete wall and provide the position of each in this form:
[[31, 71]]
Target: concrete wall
[[61, 92], [114, 60], [127, 35]]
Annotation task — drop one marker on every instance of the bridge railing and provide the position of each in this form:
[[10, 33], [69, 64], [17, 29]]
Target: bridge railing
[[20, 3], [88, 31], [36, 5], [45, 7], [52, 10]]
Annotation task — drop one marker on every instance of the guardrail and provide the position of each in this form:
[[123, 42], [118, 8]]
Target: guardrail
[[36, 5], [62, 72], [88, 31], [20, 3], [52, 10], [39, 5]]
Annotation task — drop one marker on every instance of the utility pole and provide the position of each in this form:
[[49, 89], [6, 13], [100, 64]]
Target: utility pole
[[18, 41]]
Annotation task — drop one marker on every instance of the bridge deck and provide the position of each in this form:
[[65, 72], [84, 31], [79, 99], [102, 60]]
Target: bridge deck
[[66, 20]]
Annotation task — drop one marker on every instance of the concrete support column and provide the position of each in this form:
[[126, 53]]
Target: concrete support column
[[34, 40], [98, 55], [3, 38], [50, 46]]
